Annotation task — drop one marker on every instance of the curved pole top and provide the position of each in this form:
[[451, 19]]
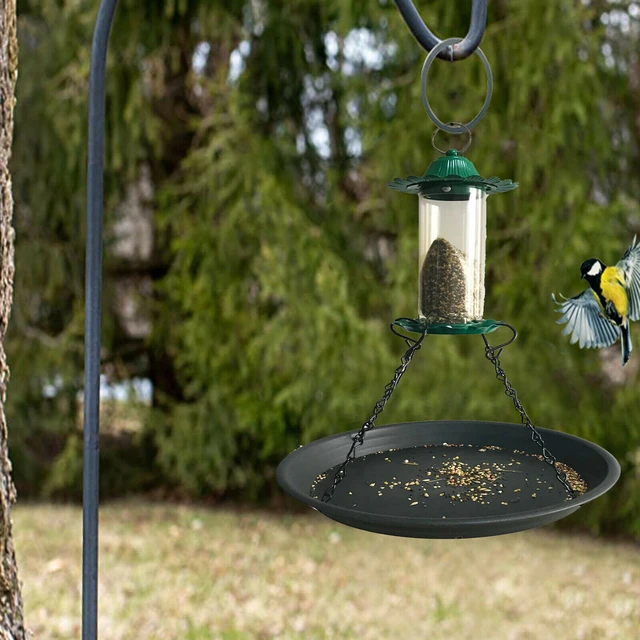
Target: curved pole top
[[428, 40]]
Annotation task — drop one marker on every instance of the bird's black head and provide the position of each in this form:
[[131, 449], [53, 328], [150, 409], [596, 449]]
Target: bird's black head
[[591, 268]]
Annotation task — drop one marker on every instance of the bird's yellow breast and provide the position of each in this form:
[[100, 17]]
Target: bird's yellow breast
[[613, 289]]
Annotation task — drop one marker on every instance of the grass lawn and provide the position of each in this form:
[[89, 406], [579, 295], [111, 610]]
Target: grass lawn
[[184, 573]]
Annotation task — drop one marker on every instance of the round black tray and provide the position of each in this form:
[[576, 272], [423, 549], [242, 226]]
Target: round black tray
[[379, 491]]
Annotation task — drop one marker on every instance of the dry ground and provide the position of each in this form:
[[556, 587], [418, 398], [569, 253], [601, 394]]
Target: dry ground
[[183, 573]]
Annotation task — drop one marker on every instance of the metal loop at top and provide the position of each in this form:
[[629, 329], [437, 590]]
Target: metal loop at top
[[460, 151], [433, 54], [428, 40]]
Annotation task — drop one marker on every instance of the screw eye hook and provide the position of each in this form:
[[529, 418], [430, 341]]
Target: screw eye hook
[[463, 128]]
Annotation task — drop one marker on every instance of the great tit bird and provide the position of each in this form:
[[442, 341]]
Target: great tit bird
[[600, 314]]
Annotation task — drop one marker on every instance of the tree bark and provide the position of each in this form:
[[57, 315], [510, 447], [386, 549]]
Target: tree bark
[[11, 618]]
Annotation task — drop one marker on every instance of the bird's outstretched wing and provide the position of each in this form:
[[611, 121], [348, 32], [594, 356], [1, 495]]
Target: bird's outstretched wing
[[585, 321], [630, 266]]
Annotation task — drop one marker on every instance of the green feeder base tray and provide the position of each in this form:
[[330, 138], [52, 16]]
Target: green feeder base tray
[[465, 329]]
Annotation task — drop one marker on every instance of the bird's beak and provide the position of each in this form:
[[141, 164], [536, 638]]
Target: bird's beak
[[582, 277]]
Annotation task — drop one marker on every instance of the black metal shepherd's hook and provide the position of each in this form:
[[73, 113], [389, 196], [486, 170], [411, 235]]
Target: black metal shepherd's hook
[[428, 40], [93, 279], [93, 295]]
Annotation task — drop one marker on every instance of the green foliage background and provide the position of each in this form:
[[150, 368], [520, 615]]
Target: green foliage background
[[279, 262]]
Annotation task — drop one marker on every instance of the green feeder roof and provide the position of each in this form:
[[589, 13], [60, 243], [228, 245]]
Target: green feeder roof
[[449, 176]]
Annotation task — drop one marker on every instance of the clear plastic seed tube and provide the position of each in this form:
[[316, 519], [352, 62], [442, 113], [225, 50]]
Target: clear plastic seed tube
[[452, 254]]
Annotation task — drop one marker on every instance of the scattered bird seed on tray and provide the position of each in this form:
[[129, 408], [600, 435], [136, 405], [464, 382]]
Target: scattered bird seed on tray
[[458, 481]]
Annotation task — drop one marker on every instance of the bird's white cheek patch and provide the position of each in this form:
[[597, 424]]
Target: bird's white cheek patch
[[595, 269]]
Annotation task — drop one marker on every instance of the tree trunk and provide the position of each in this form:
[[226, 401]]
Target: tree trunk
[[11, 622]]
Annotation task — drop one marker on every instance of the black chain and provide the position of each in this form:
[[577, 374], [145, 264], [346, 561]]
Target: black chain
[[493, 354], [358, 438]]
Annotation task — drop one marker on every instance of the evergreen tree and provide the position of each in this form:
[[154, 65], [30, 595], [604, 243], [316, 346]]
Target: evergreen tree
[[252, 143]]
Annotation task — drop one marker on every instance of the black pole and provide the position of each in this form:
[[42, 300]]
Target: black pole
[[428, 40], [93, 294], [93, 279]]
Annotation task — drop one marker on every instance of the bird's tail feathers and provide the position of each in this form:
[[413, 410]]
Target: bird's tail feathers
[[626, 343]]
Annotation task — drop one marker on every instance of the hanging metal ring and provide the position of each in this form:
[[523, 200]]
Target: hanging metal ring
[[460, 151], [433, 54]]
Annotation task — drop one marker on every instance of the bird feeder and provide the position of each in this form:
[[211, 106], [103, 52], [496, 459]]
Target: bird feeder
[[452, 250], [452, 228], [449, 479], [456, 463]]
